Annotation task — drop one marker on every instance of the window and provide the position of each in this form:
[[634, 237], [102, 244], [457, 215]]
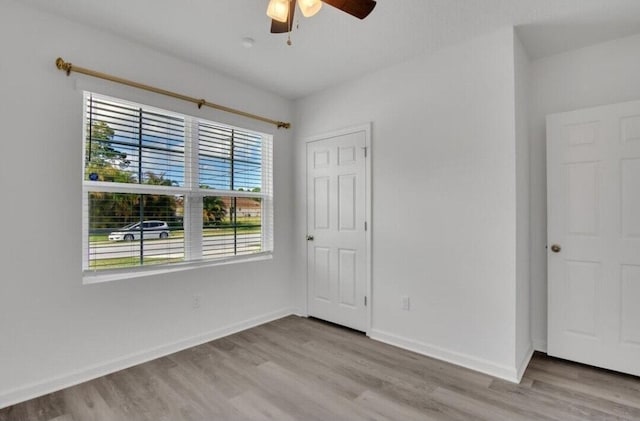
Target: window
[[162, 188]]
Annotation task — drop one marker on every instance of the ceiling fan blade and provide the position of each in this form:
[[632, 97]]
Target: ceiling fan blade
[[278, 27], [357, 8]]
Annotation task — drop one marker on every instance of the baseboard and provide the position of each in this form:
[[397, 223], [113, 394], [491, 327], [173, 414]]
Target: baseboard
[[524, 363], [299, 312], [477, 364], [540, 345], [75, 377]]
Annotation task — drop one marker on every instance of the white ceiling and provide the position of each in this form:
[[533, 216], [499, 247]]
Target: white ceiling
[[333, 47]]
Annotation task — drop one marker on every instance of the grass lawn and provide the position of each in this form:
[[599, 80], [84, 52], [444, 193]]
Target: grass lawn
[[125, 262]]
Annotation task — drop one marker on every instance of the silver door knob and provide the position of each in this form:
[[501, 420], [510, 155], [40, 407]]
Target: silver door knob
[[309, 237], [556, 248]]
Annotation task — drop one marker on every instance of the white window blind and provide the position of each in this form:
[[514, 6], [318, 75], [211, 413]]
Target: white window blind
[[163, 188]]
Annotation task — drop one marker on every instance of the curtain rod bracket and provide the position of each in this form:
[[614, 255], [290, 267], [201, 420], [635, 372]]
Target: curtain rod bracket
[[68, 68]]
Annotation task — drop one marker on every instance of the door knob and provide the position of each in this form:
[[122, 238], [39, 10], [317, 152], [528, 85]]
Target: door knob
[[556, 248], [309, 237]]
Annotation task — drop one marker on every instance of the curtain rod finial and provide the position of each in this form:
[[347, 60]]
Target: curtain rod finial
[[62, 65], [283, 125]]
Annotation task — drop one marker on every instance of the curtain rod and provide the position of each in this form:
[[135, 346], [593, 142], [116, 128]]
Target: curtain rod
[[68, 68]]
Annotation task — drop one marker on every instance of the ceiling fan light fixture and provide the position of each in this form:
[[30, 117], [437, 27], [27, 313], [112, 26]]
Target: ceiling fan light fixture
[[278, 10], [309, 7]]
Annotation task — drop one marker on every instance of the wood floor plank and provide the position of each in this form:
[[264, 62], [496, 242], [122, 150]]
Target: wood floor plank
[[584, 406], [304, 369], [85, 403], [63, 418], [547, 406], [622, 385], [15, 412], [46, 407], [319, 369], [383, 408], [479, 410], [594, 390], [252, 406]]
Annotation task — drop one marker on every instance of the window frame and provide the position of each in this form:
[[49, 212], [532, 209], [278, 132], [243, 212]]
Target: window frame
[[193, 196]]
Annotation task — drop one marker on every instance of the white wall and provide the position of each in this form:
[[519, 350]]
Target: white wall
[[601, 74], [444, 198], [524, 347], [53, 329]]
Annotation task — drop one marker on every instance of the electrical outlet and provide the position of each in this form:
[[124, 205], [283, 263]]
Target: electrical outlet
[[196, 300], [405, 302]]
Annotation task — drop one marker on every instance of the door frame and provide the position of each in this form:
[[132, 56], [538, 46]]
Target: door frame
[[366, 128]]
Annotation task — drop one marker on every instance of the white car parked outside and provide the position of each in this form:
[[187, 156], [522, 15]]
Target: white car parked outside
[[150, 229]]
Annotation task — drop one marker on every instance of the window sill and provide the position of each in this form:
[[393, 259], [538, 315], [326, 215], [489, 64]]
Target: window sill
[[95, 277]]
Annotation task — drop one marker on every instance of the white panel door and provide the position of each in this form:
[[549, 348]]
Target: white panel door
[[593, 182], [336, 236]]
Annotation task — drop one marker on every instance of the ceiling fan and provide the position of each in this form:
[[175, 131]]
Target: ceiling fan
[[281, 11]]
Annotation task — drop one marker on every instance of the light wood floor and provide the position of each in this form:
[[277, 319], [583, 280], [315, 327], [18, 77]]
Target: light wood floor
[[304, 369]]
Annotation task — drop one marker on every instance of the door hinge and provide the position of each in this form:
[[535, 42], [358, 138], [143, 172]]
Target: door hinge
[[365, 300], [365, 151], [365, 225]]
